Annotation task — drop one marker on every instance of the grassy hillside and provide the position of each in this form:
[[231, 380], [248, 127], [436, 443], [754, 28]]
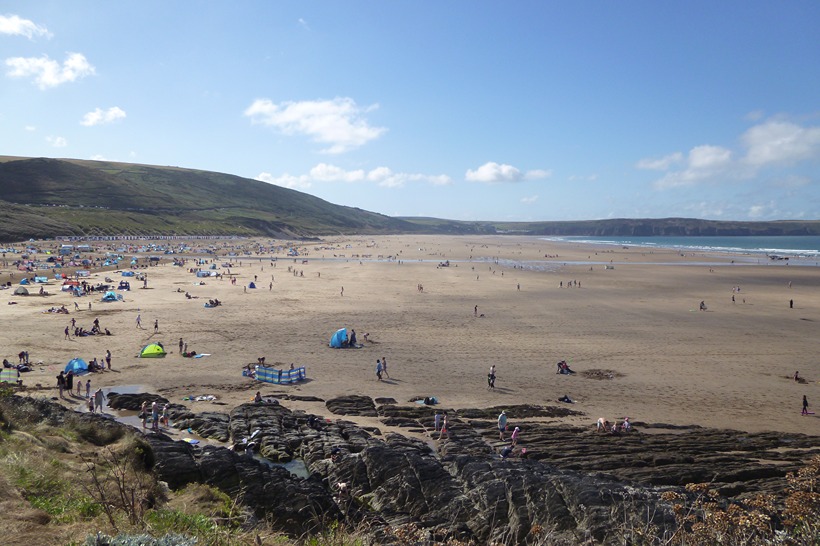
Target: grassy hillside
[[44, 198], [72, 197]]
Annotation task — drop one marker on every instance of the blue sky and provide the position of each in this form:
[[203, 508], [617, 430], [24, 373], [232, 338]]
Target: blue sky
[[465, 110]]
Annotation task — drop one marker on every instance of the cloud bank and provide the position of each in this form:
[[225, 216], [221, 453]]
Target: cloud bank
[[339, 122], [100, 116], [49, 73], [14, 25], [770, 144], [498, 173], [380, 176]]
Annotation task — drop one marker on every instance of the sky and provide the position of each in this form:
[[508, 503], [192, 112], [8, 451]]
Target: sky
[[465, 110]]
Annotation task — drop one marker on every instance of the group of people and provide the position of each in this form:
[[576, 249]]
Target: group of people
[[508, 450], [603, 425], [158, 417], [65, 383]]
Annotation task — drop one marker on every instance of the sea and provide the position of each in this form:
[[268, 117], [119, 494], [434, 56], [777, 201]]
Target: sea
[[803, 246]]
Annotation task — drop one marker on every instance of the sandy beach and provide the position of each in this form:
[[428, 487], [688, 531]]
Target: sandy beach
[[632, 332]]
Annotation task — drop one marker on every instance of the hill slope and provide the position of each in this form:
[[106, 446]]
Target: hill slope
[[74, 197], [44, 198]]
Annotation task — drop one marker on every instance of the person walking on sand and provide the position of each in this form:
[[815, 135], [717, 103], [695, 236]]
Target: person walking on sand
[[379, 369], [437, 421], [384, 367], [108, 358], [99, 396], [88, 389], [181, 345], [502, 424], [67, 335], [139, 322], [805, 406], [475, 311], [343, 291], [156, 326]]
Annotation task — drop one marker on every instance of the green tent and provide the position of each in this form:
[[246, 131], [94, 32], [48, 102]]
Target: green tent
[[154, 350]]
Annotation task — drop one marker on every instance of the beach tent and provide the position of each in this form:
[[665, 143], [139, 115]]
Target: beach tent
[[251, 285], [154, 350], [213, 266], [24, 281], [127, 273], [338, 338], [76, 365], [21, 291], [203, 273], [41, 279], [111, 296]]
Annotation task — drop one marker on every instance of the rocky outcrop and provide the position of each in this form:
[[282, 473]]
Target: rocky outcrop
[[571, 484]]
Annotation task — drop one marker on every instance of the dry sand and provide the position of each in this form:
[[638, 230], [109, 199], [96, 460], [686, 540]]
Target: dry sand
[[729, 367]]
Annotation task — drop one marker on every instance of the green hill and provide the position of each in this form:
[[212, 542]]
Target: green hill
[[44, 198], [48, 197]]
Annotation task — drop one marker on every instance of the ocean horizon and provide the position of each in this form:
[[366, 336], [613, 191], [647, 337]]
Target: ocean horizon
[[798, 246]]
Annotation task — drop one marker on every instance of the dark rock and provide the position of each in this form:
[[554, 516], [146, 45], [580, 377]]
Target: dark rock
[[352, 405], [133, 402]]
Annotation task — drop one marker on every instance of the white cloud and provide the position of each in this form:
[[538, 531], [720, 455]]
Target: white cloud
[[49, 73], [100, 116], [660, 164], [57, 142], [774, 143], [331, 173], [30, 128], [303, 24], [537, 174], [97, 157], [704, 162], [495, 173], [338, 122], [529, 200], [756, 211], [16, 26], [286, 180], [780, 142], [381, 176], [708, 157]]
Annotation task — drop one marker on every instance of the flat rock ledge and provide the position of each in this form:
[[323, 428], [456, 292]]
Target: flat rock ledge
[[572, 482]]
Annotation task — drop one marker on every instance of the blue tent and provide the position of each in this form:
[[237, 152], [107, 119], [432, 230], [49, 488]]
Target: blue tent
[[76, 365], [127, 273], [251, 285], [111, 296], [338, 338], [24, 281]]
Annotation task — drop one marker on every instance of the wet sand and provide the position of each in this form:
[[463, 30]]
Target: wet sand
[[633, 333]]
